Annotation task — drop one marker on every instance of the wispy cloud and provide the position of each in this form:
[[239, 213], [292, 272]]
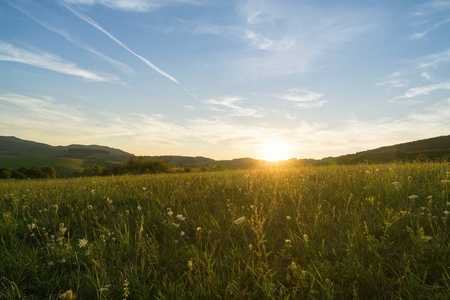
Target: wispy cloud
[[274, 40], [434, 60], [395, 79], [422, 34], [121, 66], [425, 90], [41, 117], [48, 61], [132, 5], [117, 41], [232, 104], [433, 15], [42, 108], [423, 74], [303, 98]]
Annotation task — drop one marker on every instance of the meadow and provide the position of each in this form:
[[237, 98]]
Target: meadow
[[342, 232]]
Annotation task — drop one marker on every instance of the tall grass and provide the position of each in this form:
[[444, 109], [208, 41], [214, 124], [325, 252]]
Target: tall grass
[[360, 232]]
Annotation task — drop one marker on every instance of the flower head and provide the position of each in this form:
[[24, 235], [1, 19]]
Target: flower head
[[82, 243], [239, 220]]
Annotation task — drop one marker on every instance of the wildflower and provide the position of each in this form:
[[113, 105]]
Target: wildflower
[[426, 237], [448, 203], [109, 200], [139, 208], [252, 206], [180, 217], [446, 212], [62, 228], [169, 212], [250, 247], [409, 178], [413, 197], [67, 295], [144, 188], [176, 225], [182, 233], [55, 206], [176, 241], [288, 218], [82, 243], [287, 242], [104, 288], [305, 238], [430, 197], [51, 263], [293, 265], [199, 229], [90, 207], [239, 220], [127, 212], [190, 265]]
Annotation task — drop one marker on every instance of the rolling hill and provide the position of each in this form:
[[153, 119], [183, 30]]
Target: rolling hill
[[16, 153]]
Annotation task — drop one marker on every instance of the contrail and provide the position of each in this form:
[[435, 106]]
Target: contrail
[[121, 66], [96, 25]]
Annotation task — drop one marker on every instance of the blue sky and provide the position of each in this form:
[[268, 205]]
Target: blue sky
[[222, 79]]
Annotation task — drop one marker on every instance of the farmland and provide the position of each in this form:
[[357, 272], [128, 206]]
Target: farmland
[[363, 231]]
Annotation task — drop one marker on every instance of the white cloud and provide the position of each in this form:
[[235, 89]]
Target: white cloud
[[232, 104], [395, 79], [301, 95], [42, 108], [303, 98], [425, 90], [279, 41], [434, 60], [44, 119], [48, 61], [420, 35], [117, 41]]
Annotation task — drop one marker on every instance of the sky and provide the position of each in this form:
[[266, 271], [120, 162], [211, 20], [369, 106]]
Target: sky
[[224, 79]]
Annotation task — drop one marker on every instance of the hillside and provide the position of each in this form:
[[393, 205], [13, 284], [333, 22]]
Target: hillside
[[422, 150], [14, 147]]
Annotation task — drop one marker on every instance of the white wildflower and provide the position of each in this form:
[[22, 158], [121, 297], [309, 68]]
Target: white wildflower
[[239, 220], [82, 243]]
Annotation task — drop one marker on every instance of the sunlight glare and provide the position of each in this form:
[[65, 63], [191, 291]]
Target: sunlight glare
[[275, 151]]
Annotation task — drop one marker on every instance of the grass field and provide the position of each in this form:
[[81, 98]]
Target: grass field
[[349, 232], [63, 166]]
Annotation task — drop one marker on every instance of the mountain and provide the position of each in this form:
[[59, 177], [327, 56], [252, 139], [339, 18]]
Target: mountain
[[11, 146]]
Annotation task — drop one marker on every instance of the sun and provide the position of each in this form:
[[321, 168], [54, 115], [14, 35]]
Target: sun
[[275, 151]]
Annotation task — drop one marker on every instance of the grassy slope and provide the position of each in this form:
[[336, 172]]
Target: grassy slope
[[322, 232], [63, 166]]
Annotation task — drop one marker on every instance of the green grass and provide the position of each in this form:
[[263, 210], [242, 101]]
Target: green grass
[[352, 232], [63, 166]]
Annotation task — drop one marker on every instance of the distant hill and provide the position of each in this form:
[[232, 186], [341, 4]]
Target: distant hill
[[11, 146], [15, 152], [422, 150], [185, 161]]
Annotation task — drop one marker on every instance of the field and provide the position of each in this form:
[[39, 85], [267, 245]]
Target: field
[[347, 232], [63, 166]]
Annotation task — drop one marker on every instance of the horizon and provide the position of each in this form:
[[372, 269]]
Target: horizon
[[257, 78]]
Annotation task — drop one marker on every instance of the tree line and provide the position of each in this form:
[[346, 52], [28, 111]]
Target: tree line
[[25, 173]]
